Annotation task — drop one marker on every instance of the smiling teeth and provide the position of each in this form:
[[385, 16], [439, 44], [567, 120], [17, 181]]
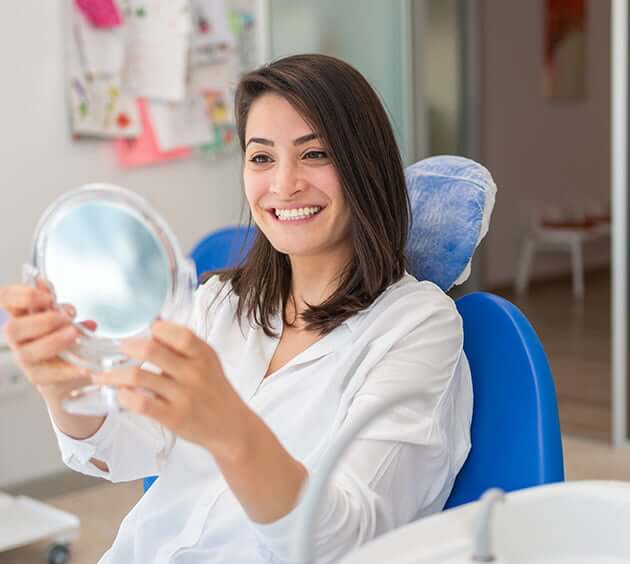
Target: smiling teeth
[[297, 213]]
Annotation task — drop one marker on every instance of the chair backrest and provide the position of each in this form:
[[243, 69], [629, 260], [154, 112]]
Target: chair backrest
[[515, 432], [451, 201], [223, 248]]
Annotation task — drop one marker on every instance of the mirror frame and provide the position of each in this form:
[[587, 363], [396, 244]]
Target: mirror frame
[[102, 353]]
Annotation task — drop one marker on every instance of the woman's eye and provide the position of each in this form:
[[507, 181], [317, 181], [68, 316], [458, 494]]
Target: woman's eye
[[259, 159], [316, 155]]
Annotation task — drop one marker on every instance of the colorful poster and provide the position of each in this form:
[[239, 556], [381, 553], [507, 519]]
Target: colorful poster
[[242, 15], [181, 124], [219, 105], [101, 13], [156, 66], [100, 51], [157, 16], [144, 150], [219, 75], [158, 75], [100, 108]]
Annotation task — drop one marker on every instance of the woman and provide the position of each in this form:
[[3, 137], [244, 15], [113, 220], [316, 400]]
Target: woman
[[319, 324]]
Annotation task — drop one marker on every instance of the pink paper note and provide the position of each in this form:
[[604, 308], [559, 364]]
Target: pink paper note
[[101, 13], [144, 149]]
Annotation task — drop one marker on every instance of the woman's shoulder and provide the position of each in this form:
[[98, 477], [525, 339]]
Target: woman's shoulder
[[212, 298], [213, 289], [410, 292], [408, 302]]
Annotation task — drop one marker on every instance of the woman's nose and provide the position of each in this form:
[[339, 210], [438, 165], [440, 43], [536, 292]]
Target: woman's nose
[[286, 181]]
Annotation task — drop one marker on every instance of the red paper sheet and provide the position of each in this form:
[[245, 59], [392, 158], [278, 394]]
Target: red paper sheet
[[144, 149], [101, 13]]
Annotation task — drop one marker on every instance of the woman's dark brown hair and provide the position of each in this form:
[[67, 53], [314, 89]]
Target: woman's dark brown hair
[[341, 106]]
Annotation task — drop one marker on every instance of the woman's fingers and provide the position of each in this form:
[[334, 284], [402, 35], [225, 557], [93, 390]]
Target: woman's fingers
[[72, 312], [46, 348], [68, 309], [58, 371], [19, 300], [180, 339], [45, 287], [155, 352], [140, 401], [20, 330], [136, 377], [89, 324]]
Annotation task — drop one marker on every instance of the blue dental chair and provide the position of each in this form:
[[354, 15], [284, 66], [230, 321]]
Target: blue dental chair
[[515, 432], [222, 248]]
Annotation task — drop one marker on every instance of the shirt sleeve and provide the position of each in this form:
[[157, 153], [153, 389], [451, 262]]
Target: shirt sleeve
[[132, 446], [403, 465]]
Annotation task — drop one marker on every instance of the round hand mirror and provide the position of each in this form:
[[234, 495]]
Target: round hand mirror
[[104, 250]]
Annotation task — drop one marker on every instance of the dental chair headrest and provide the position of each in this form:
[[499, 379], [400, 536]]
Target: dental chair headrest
[[451, 203]]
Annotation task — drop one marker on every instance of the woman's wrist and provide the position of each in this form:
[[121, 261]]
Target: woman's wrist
[[237, 445], [265, 478]]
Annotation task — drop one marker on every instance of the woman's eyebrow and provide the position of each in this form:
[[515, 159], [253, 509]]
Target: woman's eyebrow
[[298, 141], [260, 140], [306, 138]]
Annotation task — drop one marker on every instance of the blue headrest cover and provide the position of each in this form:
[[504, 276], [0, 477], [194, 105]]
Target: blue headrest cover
[[451, 202]]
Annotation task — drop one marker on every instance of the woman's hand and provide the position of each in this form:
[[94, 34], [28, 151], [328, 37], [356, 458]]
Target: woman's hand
[[37, 333], [191, 397]]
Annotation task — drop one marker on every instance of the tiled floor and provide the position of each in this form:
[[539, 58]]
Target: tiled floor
[[576, 337]]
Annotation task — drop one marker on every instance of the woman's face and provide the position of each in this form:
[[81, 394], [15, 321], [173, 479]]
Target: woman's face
[[291, 185]]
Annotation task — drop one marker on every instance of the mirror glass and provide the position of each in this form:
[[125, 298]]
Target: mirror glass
[[104, 261]]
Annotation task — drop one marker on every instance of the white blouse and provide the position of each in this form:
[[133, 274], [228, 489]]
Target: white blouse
[[402, 467]]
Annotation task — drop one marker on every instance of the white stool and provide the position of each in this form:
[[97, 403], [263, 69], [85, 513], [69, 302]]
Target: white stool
[[554, 239]]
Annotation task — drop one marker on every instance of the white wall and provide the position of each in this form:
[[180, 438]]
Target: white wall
[[539, 151], [39, 161]]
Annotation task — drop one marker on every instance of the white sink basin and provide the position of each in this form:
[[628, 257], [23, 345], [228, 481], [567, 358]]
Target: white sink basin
[[568, 523]]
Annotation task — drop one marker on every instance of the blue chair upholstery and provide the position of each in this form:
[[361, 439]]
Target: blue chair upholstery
[[515, 428], [223, 248], [148, 482]]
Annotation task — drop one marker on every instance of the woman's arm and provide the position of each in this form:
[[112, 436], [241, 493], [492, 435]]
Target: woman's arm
[[74, 426], [378, 486], [263, 476], [125, 447], [193, 398]]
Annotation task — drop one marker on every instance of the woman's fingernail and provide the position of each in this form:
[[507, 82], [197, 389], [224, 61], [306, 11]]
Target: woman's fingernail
[[71, 310], [69, 332]]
